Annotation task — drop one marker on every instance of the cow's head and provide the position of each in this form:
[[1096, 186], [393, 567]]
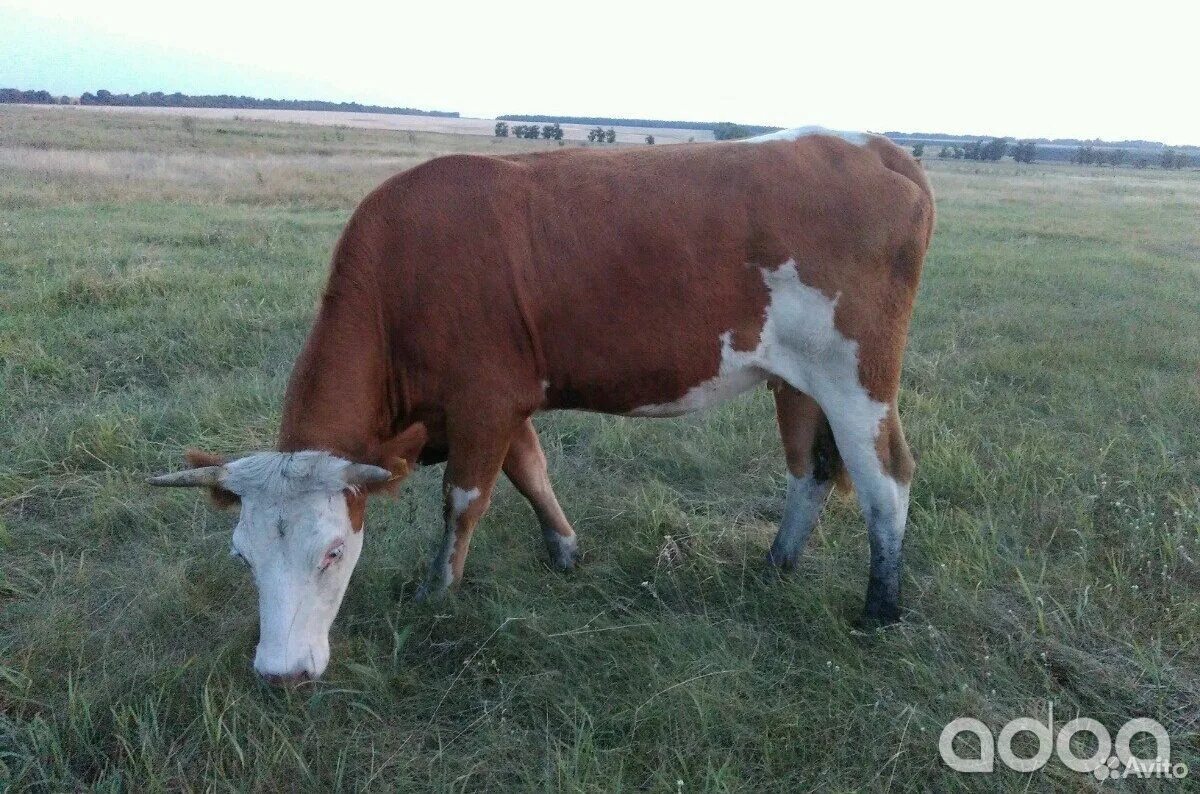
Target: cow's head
[[300, 535]]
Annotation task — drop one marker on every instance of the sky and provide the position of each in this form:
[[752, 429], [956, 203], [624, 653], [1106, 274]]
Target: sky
[[1018, 68]]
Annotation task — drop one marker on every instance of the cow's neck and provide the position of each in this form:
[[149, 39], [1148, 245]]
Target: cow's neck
[[339, 395]]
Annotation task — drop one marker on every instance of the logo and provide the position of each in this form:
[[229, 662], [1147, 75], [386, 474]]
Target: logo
[[1110, 759]]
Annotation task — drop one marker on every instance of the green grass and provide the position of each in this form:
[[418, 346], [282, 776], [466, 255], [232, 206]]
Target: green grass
[[156, 282]]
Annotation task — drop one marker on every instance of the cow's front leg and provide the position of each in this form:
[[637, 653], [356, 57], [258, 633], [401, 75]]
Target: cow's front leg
[[525, 466], [472, 466]]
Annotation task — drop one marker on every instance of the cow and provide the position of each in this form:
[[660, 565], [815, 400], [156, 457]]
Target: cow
[[471, 292]]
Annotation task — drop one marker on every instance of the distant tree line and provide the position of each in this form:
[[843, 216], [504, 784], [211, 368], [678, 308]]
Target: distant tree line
[[178, 100], [554, 132], [16, 95], [1139, 154], [725, 131], [991, 151], [1087, 154], [1167, 158], [742, 130], [551, 132], [947, 138]]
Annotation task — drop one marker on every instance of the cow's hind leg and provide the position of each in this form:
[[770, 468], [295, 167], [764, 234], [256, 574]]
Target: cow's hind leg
[[812, 461], [871, 442], [525, 466]]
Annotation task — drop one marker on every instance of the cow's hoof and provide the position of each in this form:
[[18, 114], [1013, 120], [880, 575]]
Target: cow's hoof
[[880, 613], [562, 549], [782, 562], [430, 593]]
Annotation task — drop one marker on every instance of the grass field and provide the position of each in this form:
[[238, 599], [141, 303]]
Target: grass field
[[391, 121], [156, 280]]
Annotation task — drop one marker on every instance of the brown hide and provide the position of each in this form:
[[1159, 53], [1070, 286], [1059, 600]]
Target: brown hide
[[461, 286]]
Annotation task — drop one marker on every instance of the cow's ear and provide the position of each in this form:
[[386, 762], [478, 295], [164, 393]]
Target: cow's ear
[[222, 498], [399, 455]]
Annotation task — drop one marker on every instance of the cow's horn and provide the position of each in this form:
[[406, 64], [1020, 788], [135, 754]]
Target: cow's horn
[[190, 478], [364, 474]]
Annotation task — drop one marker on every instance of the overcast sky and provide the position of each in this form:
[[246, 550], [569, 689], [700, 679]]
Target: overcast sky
[[1055, 69]]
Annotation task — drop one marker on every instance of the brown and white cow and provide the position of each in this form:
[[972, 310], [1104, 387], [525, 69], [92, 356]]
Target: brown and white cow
[[471, 292]]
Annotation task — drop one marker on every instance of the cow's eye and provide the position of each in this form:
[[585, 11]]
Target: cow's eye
[[334, 554]]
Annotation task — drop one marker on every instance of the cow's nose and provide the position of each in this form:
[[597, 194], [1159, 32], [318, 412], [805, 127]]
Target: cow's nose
[[286, 679]]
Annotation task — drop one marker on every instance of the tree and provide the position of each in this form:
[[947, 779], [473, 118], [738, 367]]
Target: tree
[[610, 136], [919, 150], [596, 135], [501, 129], [649, 140], [552, 131], [726, 131], [1085, 155], [945, 153], [1024, 152], [1171, 158], [1117, 156], [994, 149]]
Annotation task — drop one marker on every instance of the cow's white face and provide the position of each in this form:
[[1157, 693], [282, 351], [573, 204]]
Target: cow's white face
[[296, 536], [301, 550]]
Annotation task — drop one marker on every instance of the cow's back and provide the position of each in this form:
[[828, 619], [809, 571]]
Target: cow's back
[[648, 260], [613, 276]]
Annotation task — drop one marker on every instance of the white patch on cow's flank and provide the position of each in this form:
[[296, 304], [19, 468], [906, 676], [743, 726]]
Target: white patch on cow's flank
[[737, 373], [800, 343], [857, 138]]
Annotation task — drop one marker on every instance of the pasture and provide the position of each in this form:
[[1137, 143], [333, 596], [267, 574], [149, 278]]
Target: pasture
[[392, 121], [157, 277]]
